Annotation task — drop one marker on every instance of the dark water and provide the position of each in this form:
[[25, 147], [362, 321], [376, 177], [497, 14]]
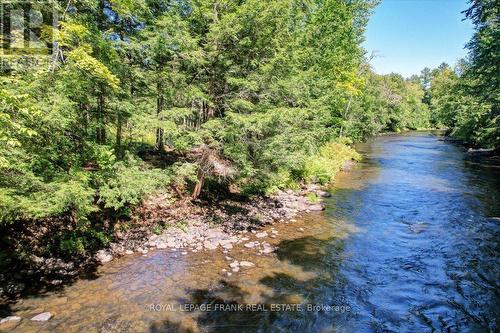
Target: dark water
[[426, 258], [408, 243]]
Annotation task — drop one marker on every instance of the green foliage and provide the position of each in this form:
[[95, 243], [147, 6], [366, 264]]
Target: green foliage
[[80, 241], [93, 68], [467, 100], [263, 84], [183, 175], [323, 166], [312, 197], [129, 184], [37, 199], [157, 229], [72, 245], [182, 225]]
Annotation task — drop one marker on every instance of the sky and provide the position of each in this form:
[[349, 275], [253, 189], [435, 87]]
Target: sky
[[408, 35]]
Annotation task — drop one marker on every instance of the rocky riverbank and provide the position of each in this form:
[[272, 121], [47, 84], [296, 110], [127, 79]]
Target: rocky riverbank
[[221, 225], [180, 225]]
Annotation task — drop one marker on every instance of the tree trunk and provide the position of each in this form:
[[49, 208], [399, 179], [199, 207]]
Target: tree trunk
[[203, 167], [101, 126], [119, 127], [199, 184], [159, 109]]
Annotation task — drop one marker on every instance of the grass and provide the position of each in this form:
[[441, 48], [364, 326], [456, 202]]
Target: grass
[[182, 225], [312, 197]]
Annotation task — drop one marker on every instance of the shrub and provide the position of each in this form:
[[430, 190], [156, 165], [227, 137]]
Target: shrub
[[130, 184], [182, 225], [81, 241], [324, 165], [71, 193]]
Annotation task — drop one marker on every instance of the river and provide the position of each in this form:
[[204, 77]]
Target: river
[[408, 243]]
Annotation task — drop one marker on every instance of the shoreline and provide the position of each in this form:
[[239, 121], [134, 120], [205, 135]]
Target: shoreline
[[237, 218], [190, 226]]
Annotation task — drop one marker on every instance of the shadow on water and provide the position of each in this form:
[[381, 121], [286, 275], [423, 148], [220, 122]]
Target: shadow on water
[[40, 285], [277, 308]]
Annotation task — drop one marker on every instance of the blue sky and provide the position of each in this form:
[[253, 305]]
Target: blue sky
[[408, 35]]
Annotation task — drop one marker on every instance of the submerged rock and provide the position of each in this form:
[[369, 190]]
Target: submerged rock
[[246, 264], [251, 245], [228, 246], [9, 319], [267, 248], [44, 316]]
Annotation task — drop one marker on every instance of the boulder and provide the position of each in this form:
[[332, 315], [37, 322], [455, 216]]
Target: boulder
[[210, 245], [267, 249], [103, 256], [316, 207], [161, 245], [246, 264], [141, 250], [228, 246], [10, 319], [323, 194], [44, 316]]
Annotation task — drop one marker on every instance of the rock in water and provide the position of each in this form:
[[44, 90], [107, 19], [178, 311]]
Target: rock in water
[[44, 316], [323, 194], [210, 245], [228, 246], [161, 245], [103, 256], [246, 264], [316, 207], [267, 249], [10, 318]]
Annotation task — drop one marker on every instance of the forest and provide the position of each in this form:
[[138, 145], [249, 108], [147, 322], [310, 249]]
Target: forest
[[187, 98]]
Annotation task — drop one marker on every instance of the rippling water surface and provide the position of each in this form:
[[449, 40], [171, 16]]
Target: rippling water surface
[[408, 243]]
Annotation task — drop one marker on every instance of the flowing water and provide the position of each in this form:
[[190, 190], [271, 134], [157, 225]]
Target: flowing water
[[408, 243]]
